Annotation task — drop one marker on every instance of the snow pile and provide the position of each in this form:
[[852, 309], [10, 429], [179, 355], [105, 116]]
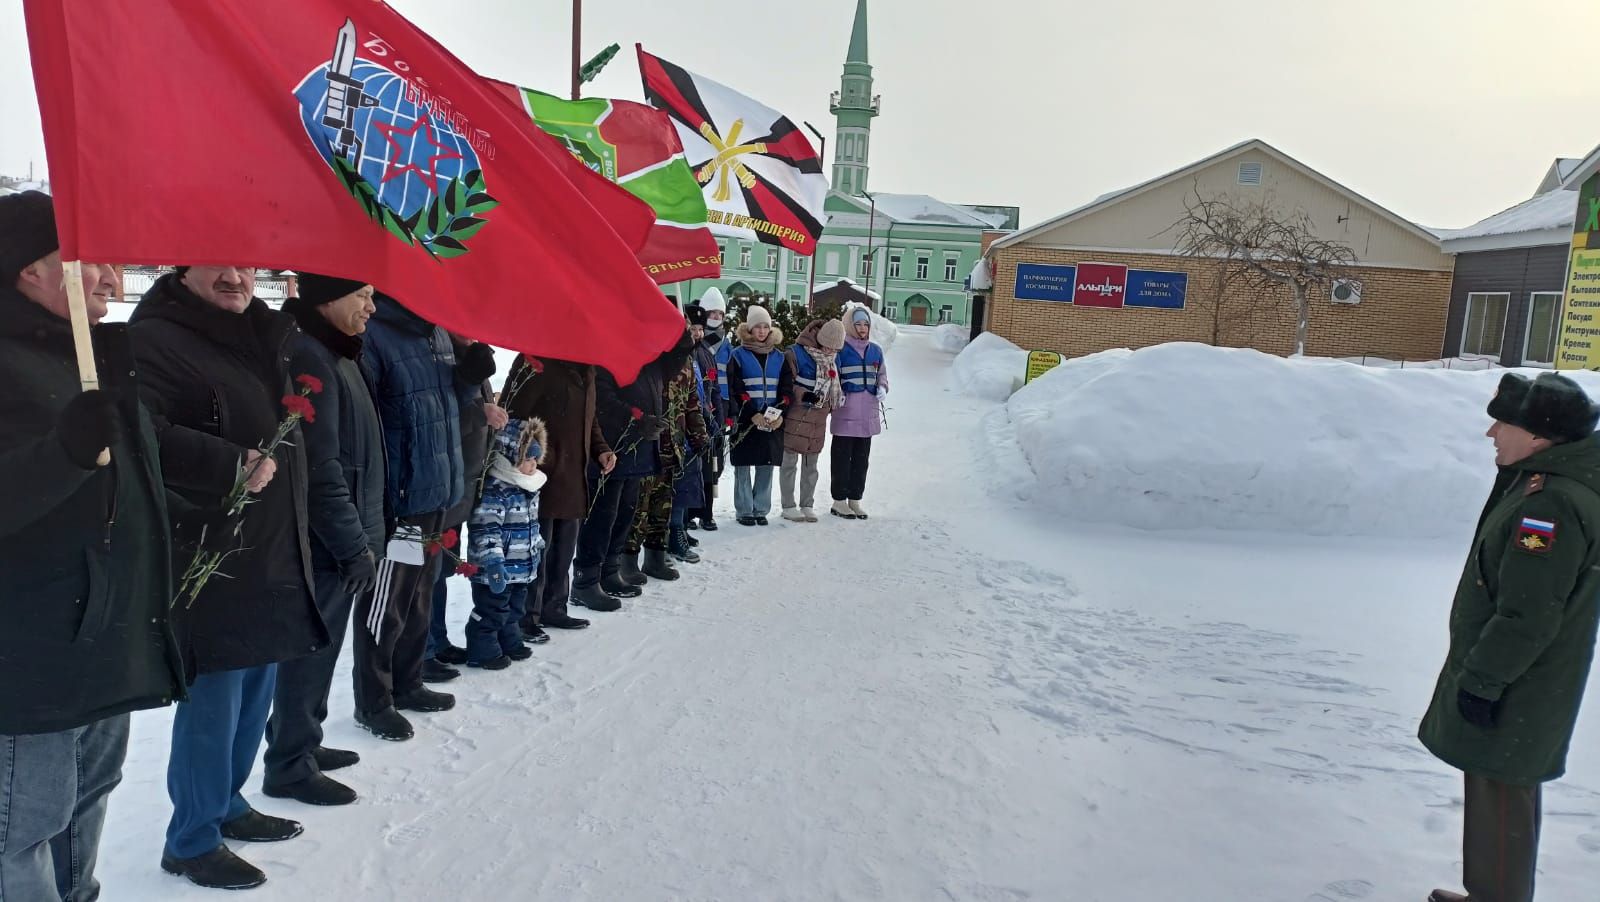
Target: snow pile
[[990, 367], [951, 338], [1186, 436]]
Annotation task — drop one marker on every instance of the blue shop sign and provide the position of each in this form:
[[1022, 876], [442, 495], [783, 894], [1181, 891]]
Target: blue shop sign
[[1162, 290], [1042, 282]]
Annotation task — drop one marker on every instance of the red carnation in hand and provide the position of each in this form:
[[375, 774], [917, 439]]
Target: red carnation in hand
[[466, 569], [450, 538], [300, 406], [310, 383], [712, 374], [728, 421], [537, 366], [636, 413], [745, 396]]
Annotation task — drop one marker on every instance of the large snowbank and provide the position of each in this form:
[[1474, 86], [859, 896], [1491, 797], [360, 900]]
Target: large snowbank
[[1185, 436], [951, 338], [990, 367]]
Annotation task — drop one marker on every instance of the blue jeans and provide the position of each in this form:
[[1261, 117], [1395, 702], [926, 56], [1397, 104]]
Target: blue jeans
[[53, 793], [216, 735], [748, 500], [438, 633], [495, 626]]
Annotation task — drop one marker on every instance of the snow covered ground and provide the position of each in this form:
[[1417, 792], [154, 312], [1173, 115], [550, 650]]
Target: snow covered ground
[[965, 698]]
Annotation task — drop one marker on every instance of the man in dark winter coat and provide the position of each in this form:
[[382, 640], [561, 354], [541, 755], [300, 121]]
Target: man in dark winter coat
[[411, 366], [712, 352], [632, 419], [344, 451], [1522, 630], [480, 418], [87, 558], [562, 394], [214, 362]]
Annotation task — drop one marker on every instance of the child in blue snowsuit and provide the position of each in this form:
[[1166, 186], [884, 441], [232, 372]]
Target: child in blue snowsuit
[[506, 546]]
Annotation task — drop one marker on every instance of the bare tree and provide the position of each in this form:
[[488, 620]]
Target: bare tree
[[1261, 248]]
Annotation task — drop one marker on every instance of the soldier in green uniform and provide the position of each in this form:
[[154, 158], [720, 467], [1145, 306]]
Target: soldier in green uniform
[[1522, 630]]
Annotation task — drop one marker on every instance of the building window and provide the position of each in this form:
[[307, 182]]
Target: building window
[[891, 312], [950, 266], [795, 296], [772, 259], [866, 267], [1486, 324], [922, 266], [833, 263], [944, 313], [797, 264], [744, 257], [894, 266], [1544, 323]]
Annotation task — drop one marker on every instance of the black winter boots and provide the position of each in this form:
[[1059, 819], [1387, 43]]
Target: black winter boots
[[253, 826], [217, 869], [588, 591], [681, 546], [628, 566], [317, 789], [656, 565], [614, 582]]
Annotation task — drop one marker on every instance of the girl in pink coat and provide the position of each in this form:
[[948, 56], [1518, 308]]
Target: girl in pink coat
[[864, 376]]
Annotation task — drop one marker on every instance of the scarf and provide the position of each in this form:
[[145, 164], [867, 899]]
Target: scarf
[[829, 391], [501, 469]]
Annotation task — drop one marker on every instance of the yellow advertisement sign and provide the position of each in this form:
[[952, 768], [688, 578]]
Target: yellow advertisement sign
[[1039, 363], [1578, 347]]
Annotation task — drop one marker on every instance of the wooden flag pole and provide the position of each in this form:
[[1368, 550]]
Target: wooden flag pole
[[78, 313]]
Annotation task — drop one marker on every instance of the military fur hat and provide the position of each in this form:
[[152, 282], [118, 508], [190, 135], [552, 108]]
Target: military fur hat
[[1551, 407], [696, 315]]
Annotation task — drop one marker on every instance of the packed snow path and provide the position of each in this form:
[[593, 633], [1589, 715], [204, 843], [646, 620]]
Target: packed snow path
[[959, 699]]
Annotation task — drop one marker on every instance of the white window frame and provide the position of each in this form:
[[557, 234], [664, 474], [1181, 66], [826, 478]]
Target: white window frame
[[832, 267], [1527, 329], [772, 259], [1466, 323], [866, 266], [947, 313], [891, 312], [924, 265], [744, 256], [952, 267], [894, 266], [797, 263]]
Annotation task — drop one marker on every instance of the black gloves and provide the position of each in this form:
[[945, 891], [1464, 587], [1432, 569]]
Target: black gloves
[[475, 364], [1480, 712], [88, 425], [811, 398], [359, 574]]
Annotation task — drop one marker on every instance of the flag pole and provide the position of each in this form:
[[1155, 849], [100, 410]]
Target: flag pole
[[82, 342], [577, 44], [822, 157]]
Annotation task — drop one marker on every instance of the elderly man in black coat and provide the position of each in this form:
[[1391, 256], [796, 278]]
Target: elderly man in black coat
[[84, 547], [214, 361]]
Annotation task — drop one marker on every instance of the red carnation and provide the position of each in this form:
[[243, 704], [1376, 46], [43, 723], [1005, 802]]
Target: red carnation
[[310, 383], [833, 374], [712, 374], [745, 396], [300, 406], [728, 421], [637, 413], [537, 366], [450, 538], [466, 569]]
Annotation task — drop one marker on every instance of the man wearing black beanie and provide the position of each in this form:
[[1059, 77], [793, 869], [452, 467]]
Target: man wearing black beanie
[[345, 466], [86, 636], [1522, 630]]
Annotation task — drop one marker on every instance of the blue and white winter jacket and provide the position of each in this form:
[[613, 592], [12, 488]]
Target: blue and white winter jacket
[[410, 366], [504, 528]]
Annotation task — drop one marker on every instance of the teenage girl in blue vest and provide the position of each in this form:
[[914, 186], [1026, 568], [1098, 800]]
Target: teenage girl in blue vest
[[760, 386], [865, 379]]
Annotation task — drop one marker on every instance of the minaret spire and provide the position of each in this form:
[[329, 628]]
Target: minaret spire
[[854, 107]]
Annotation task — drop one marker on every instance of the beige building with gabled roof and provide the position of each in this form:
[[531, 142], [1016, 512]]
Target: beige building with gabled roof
[[1106, 275]]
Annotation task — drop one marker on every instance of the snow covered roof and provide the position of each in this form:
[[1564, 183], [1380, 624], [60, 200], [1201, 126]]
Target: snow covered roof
[[1581, 172], [1546, 219], [922, 209], [1254, 144], [851, 284]]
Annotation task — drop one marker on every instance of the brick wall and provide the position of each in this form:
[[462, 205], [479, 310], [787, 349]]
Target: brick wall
[[1402, 314]]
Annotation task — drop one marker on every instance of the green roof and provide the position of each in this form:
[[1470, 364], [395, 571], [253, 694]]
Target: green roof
[[858, 35]]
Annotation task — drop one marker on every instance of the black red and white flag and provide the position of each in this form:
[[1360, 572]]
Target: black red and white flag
[[762, 179]]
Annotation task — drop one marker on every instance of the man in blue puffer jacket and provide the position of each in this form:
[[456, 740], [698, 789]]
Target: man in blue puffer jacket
[[412, 369]]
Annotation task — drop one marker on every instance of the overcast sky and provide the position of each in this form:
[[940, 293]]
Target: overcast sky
[[1443, 111]]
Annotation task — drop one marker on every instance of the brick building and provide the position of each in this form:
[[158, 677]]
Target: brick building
[[1107, 276]]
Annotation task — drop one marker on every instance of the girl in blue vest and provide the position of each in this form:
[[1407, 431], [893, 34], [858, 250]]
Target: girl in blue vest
[[760, 386], [865, 379]]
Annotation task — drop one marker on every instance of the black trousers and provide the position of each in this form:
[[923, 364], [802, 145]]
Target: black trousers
[[300, 701], [848, 476], [392, 626], [547, 597], [605, 533], [1500, 850]]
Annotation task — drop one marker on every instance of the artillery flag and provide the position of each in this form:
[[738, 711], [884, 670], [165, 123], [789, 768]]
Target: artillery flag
[[762, 179], [637, 147], [357, 147]]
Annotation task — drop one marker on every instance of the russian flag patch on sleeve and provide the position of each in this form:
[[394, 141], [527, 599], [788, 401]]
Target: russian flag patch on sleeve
[[1535, 535]]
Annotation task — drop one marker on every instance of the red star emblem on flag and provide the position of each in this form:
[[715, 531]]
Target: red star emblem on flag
[[400, 161]]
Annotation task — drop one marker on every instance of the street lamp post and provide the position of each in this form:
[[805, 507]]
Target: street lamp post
[[822, 156]]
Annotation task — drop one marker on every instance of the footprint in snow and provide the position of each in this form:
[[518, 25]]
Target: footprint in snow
[[1343, 889], [1590, 842]]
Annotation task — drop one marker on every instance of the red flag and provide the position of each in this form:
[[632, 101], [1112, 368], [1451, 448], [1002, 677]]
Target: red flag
[[333, 136]]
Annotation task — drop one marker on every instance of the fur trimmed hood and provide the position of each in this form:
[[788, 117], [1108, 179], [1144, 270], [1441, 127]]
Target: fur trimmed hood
[[773, 342], [522, 439]]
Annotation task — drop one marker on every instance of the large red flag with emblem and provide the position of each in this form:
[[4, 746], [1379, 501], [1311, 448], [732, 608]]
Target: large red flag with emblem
[[334, 136], [762, 179]]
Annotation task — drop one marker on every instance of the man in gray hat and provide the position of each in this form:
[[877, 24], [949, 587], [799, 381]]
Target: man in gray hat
[[1522, 630], [85, 550]]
